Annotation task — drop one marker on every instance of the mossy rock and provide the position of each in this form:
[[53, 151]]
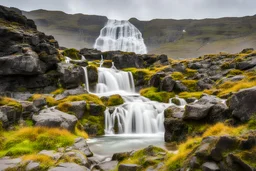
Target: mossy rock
[[176, 101], [113, 100], [72, 53], [153, 94]]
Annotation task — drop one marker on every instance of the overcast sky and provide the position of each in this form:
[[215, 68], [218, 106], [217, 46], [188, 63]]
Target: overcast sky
[[143, 9]]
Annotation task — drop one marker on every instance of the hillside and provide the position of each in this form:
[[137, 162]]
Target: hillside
[[176, 38]]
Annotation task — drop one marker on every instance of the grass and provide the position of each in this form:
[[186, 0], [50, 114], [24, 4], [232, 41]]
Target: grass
[[232, 87], [186, 95], [29, 140], [10, 102], [153, 94], [44, 160]]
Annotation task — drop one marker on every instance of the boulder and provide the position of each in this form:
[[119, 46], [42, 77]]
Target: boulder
[[78, 108], [71, 76], [196, 111], [128, 61], [107, 166], [210, 166], [28, 109], [242, 104], [81, 145], [21, 64], [180, 87], [175, 130], [54, 118], [129, 167], [69, 167], [75, 91], [96, 109], [167, 84], [52, 154], [244, 65], [33, 166], [156, 79], [77, 156], [9, 115], [174, 112], [7, 163]]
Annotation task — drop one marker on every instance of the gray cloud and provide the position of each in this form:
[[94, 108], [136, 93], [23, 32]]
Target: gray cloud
[[143, 9]]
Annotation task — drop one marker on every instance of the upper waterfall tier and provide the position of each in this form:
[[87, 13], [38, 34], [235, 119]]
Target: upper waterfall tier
[[120, 35]]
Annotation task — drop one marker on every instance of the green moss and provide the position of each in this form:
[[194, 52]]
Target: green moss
[[252, 122], [49, 99], [115, 100], [34, 139], [64, 107], [72, 53], [176, 101], [86, 97], [177, 76], [225, 65], [186, 95], [58, 91], [235, 72], [190, 84], [93, 121], [10, 102], [153, 94], [190, 72], [29, 122]]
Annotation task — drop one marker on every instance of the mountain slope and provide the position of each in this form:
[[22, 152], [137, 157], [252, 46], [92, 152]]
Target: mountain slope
[[176, 38]]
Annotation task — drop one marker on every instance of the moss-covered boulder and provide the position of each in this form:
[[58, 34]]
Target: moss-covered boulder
[[72, 53], [113, 100]]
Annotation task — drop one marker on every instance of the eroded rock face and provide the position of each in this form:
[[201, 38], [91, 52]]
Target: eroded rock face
[[55, 118], [242, 104], [71, 76]]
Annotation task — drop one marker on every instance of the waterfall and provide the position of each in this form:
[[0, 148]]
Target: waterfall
[[86, 79], [137, 115], [114, 80], [120, 35], [67, 59]]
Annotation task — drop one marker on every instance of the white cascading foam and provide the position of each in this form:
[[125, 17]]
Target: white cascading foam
[[120, 35]]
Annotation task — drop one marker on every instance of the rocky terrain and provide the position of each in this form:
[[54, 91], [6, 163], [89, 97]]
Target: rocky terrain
[[178, 39], [46, 113]]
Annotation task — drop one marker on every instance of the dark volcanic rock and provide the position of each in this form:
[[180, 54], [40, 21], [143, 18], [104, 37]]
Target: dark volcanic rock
[[242, 104], [71, 75], [129, 167], [175, 130], [167, 84], [55, 118]]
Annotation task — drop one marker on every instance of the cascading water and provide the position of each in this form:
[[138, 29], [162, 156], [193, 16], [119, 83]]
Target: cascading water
[[120, 35]]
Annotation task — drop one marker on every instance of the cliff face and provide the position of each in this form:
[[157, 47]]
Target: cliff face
[[176, 38]]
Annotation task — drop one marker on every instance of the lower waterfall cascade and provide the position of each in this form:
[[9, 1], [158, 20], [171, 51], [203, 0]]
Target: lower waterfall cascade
[[137, 115]]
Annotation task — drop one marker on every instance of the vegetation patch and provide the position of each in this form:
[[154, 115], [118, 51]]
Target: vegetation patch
[[186, 95], [49, 99], [153, 94], [72, 53], [177, 76], [10, 102], [190, 84], [115, 100], [30, 140], [58, 91], [86, 97]]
